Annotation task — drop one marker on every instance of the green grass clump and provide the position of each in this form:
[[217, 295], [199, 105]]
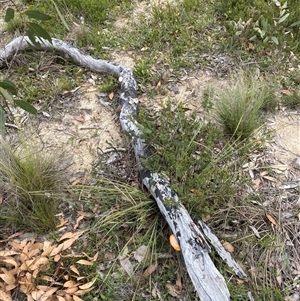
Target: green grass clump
[[30, 182], [291, 101], [239, 106]]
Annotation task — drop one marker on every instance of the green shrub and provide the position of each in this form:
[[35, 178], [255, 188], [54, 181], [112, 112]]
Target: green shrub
[[273, 23], [30, 182], [239, 106]]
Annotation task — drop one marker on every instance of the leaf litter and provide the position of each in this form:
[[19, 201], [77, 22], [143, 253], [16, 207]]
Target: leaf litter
[[24, 263]]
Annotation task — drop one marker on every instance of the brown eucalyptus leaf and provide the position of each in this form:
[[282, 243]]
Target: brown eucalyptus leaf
[[75, 298], [56, 250], [228, 247], [84, 262], [70, 283], [271, 219], [8, 278], [82, 292], [150, 269], [11, 261], [87, 285], [5, 296], [74, 269], [16, 245], [39, 263], [5, 253], [71, 290], [10, 287], [69, 235], [37, 295]]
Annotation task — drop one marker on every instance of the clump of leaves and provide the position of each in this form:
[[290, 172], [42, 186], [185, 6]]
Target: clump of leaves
[[30, 184], [41, 271], [240, 105]]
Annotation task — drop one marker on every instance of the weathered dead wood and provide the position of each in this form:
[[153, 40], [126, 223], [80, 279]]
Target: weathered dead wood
[[208, 282], [225, 255]]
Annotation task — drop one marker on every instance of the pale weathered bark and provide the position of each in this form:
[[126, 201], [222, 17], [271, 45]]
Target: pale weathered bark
[[208, 282]]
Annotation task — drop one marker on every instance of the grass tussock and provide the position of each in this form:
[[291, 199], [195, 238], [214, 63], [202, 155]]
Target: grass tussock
[[30, 182], [291, 101], [240, 106]]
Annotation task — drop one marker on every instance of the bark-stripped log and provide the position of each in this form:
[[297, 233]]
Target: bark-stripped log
[[208, 282]]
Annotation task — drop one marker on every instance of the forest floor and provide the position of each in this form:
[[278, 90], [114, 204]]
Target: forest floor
[[78, 116]]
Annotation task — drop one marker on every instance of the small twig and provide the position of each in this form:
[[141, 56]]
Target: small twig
[[11, 125], [117, 149]]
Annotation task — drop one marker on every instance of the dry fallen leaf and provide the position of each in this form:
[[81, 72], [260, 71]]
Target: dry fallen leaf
[[11, 261], [74, 269], [82, 292], [87, 285], [39, 263], [76, 298], [70, 283], [78, 219], [62, 223], [286, 92], [84, 262], [150, 269], [174, 243], [8, 278], [111, 95], [71, 290], [72, 235], [5, 296], [56, 250], [228, 247], [173, 290], [271, 219], [140, 253], [127, 265], [79, 118], [16, 245]]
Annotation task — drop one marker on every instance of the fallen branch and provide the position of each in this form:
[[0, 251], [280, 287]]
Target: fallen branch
[[208, 282]]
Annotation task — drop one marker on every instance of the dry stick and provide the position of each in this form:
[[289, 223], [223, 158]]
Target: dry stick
[[208, 282]]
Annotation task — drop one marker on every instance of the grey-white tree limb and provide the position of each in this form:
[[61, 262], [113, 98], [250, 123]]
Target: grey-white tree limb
[[207, 280]]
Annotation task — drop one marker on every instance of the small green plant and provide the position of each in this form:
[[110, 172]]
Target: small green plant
[[36, 33], [31, 184], [108, 85], [143, 71], [273, 23], [291, 101], [207, 98], [239, 106], [279, 31]]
